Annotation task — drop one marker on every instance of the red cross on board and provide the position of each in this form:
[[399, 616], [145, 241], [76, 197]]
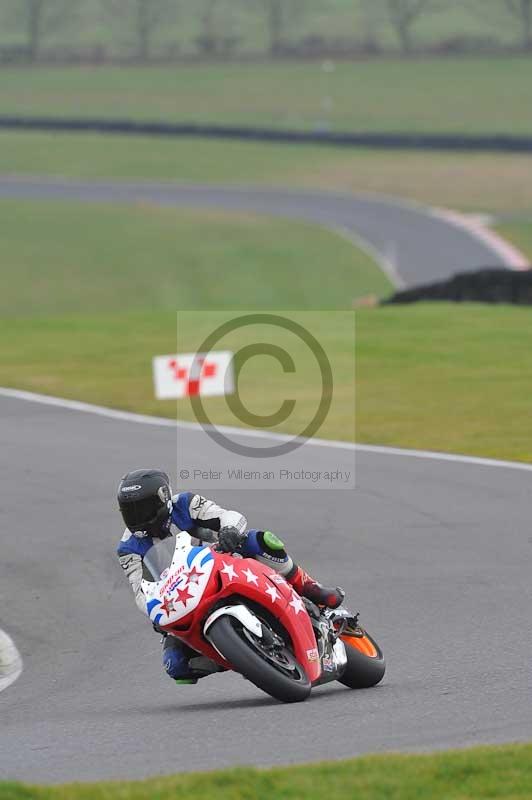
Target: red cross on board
[[181, 373]]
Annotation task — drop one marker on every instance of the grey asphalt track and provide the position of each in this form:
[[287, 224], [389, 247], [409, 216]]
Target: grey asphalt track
[[411, 243], [435, 554]]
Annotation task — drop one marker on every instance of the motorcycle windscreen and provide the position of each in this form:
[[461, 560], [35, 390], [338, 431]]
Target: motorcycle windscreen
[[158, 559]]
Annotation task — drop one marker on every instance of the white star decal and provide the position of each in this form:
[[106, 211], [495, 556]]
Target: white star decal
[[229, 571], [274, 594], [296, 603], [251, 577]]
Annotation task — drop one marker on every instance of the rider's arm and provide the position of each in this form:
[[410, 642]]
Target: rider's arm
[[193, 511], [131, 551]]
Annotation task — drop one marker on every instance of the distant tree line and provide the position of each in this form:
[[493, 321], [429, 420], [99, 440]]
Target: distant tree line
[[31, 30]]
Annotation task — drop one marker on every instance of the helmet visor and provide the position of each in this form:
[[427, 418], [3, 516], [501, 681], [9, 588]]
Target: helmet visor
[[138, 514]]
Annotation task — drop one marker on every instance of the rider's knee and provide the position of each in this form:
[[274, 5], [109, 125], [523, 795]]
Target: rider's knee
[[268, 549]]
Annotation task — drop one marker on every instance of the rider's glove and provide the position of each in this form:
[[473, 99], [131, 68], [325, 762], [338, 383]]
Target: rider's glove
[[230, 539]]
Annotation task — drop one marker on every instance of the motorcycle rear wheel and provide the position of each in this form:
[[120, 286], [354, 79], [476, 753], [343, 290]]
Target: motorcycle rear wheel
[[365, 663], [280, 676]]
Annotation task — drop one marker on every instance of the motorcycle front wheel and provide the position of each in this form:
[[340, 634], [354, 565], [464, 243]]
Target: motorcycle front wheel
[[365, 663], [271, 668]]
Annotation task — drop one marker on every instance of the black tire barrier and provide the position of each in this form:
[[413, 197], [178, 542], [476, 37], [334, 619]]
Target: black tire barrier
[[385, 141], [482, 286]]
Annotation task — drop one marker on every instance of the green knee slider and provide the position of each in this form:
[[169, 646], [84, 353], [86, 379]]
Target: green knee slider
[[272, 541]]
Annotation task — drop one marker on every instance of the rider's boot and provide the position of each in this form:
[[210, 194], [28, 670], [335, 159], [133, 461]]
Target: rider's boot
[[307, 587], [201, 666], [184, 664], [198, 667]]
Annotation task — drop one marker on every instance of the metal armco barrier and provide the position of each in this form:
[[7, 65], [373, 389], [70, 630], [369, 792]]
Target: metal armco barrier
[[386, 141]]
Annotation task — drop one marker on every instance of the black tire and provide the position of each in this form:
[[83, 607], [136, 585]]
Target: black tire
[[362, 671], [229, 638]]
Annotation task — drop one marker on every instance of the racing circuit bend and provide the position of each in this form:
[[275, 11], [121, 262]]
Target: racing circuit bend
[[434, 553], [412, 244]]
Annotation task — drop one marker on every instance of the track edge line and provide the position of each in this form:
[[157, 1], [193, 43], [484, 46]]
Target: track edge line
[[144, 419]]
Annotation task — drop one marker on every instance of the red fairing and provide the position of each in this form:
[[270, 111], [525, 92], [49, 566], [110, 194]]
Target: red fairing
[[250, 579]]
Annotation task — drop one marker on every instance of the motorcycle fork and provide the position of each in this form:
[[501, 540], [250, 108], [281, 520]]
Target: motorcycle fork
[[326, 640]]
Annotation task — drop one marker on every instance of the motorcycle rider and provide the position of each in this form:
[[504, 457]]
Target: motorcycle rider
[[151, 512]]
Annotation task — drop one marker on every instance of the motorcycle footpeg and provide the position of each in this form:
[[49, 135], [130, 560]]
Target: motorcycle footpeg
[[342, 614]]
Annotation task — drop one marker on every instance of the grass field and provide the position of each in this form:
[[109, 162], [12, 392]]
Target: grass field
[[477, 182], [475, 774], [88, 258], [429, 96], [117, 269]]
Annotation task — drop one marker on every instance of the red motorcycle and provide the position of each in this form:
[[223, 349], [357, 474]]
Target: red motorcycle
[[245, 617]]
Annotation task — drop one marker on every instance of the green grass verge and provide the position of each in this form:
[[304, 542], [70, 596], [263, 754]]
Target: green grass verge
[[488, 182], [434, 376], [455, 378], [474, 774], [432, 96], [82, 257]]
